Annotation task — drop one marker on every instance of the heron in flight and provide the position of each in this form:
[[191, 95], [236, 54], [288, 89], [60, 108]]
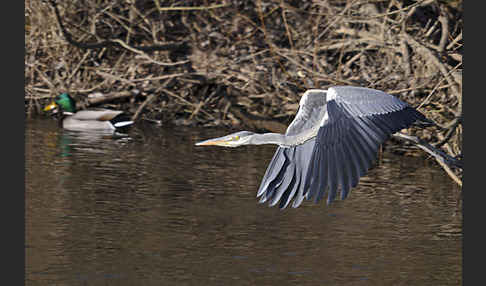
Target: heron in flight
[[329, 145]]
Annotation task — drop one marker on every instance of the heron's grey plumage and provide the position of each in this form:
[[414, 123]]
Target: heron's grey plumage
[[358, 121], [291, 162], [331, 143]]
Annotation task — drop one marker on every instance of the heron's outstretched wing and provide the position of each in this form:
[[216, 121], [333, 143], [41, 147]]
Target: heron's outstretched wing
[[351, 127], [358, 121], [285, 175]]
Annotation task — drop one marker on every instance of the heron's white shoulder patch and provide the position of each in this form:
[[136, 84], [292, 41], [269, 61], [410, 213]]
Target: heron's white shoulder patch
[[311, 93], [324, 119], [331, 94]]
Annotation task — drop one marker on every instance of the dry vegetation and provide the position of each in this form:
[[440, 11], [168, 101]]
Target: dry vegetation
[[235, 62]]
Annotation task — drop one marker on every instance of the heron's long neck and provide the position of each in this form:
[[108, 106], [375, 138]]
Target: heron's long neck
[[273, 138], [282, 139], [268, 138]]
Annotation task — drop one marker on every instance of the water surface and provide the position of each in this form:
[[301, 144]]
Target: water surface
[[153, 209]]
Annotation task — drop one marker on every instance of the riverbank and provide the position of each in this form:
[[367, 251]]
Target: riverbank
[[245, 64]]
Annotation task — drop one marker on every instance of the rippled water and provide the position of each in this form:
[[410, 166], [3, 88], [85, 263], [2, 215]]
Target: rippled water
[[153, 209]]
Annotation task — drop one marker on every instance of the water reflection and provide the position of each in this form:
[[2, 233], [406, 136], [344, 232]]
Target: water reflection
[[150, 208]]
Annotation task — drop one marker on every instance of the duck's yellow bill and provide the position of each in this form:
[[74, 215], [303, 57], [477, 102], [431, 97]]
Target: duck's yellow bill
[[51, 106]]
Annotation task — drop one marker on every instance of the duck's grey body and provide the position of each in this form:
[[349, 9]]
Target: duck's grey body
[[98, 119]]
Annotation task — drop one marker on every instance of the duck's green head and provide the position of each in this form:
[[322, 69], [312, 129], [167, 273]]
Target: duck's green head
[[64, 102]]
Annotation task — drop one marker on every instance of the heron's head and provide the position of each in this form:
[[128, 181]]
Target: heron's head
[[232, 140]]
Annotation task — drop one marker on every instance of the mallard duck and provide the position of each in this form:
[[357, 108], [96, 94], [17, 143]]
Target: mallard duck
[[64, 107]]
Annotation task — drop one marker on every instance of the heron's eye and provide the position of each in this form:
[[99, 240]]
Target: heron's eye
[[236, 138]]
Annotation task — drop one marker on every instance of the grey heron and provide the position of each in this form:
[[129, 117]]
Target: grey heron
[[329, 145]]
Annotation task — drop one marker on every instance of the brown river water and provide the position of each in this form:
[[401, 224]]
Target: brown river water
[[151, 208]]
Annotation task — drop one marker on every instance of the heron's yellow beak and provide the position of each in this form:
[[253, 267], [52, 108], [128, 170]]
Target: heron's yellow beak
[[216, 142], [51, 106]]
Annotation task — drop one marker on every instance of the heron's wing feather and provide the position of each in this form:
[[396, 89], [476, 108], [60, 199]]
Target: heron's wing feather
[[348, 141], [363, 102], [284, 179]]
